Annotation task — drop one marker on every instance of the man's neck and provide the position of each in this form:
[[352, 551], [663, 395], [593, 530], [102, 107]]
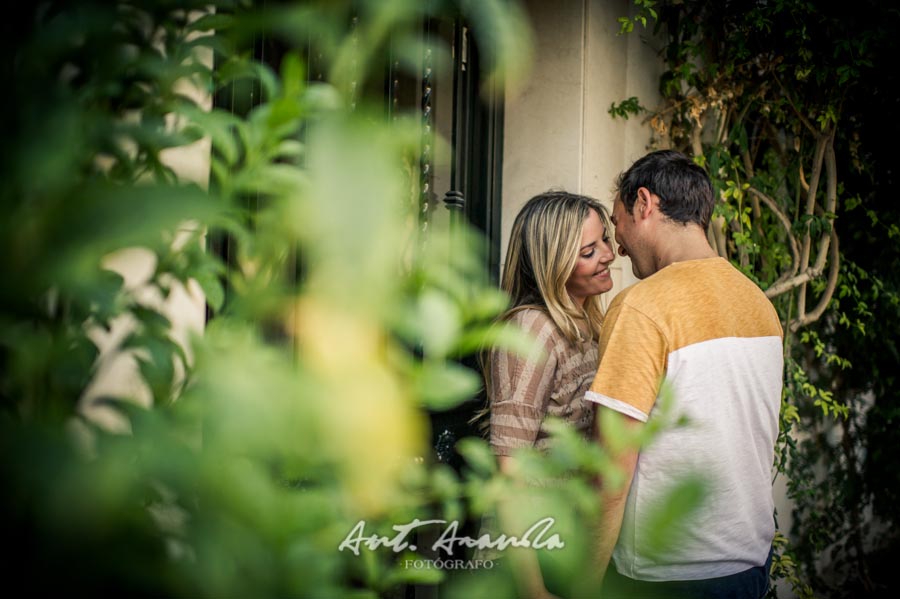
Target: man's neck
[[680, 243]]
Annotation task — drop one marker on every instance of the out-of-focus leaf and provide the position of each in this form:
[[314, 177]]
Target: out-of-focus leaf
[[289, 149], [440, 323], [675, 514], [212, 288], [108, 218], [478, 455], [272, 179], [503, 31], [107, 299], [220, 125], [299, 409], [444, 482], [236, 69], [157, 367], [498, 336], [214, 21], [444, 385], [406, 572], [487, 304], [293, 76], [322, 97]]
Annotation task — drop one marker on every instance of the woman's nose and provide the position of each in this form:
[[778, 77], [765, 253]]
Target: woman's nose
[[609, 255]]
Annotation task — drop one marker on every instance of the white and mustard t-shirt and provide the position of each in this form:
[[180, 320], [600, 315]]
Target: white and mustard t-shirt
[[715, 339]]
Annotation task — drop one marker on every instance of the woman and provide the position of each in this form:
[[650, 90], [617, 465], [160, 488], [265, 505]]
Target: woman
[[557, 265]]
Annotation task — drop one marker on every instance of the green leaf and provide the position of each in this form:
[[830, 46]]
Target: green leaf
[[289, 149], [293, 76], [274, 179], [478, 455], [406, 573], [445, 385], [212, 288], [504, 335], [487, 304], [675, 514], [220, 126], [440, 322], [444, 482], [210, 22]]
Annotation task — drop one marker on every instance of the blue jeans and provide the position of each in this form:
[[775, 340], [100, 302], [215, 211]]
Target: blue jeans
[[749, 584]]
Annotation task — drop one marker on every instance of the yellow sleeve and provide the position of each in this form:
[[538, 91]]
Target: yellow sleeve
[[633, 357]]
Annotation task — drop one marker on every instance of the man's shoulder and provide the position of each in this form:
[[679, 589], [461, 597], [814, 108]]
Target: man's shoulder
[[622, 298], [637, 301], [641, 296], [689, 288], [690, 276]]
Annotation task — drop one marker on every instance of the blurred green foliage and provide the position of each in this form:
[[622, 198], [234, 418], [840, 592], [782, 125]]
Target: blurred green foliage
[[236, 460]]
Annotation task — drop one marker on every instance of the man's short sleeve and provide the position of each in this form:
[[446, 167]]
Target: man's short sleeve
[[633, 355]]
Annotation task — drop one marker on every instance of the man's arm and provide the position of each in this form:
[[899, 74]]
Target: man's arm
[[612, 499]]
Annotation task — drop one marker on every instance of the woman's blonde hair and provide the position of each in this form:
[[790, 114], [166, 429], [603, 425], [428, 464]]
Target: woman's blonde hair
[[542, 252], [543, 249]]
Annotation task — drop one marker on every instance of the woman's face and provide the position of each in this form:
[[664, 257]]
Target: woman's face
[[591, 275]]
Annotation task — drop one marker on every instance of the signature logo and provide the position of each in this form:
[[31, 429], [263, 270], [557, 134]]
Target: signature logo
[[536, 537]]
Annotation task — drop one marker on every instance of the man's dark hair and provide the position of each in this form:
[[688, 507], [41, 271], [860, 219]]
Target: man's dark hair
[[684, 189]]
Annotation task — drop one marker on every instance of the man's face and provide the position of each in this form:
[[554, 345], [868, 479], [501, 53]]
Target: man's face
[[629, 240]]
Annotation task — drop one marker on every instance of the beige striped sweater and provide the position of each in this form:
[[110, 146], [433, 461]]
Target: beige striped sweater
[[550, 381]]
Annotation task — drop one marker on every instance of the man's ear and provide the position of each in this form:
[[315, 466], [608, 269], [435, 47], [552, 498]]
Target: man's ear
[[645, 204]]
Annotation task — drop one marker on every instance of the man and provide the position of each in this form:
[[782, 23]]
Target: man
[[699, 326]]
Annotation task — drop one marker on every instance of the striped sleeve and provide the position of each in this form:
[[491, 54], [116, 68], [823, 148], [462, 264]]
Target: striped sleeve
[[522, 385], [633, 355]]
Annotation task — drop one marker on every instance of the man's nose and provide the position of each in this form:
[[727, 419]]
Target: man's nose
[[622, 251]]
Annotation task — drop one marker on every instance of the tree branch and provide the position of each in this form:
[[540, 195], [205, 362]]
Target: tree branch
[[722, 133], [830, 286], [800, 115], [696, 143], [803, 182], [720, 244], [781, 285], [818, 160], [754, 200], [830, 200]]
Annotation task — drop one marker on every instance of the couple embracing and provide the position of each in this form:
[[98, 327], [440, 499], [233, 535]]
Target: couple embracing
[[693, 323]]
